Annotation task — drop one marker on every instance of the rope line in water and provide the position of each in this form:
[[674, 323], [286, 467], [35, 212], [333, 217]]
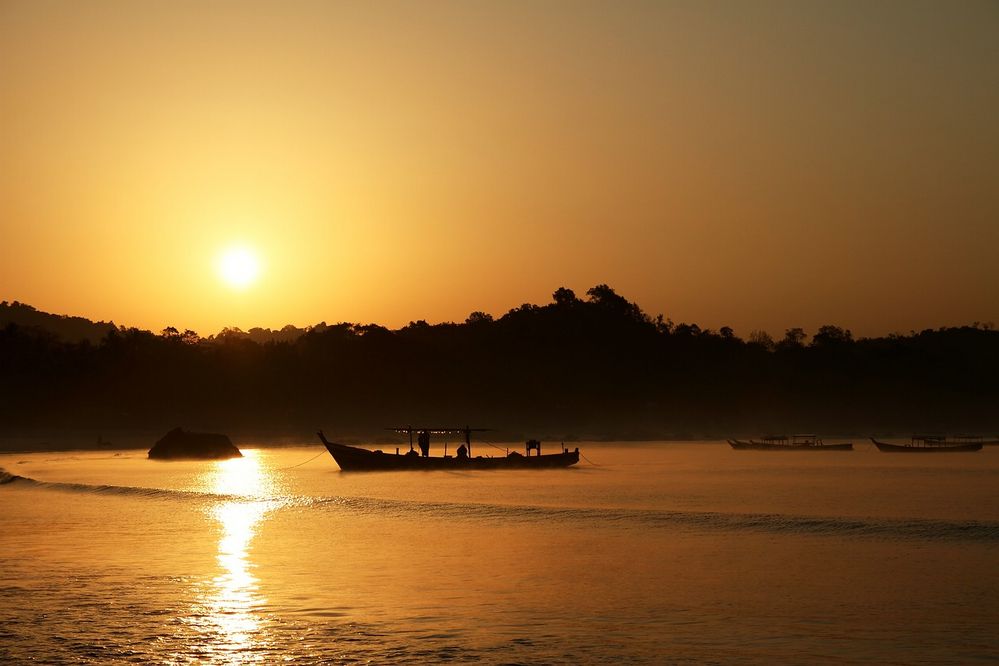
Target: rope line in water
[[302, 463], [589, 461]]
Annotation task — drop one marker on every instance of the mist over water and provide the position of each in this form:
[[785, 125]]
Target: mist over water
[[662, 552]]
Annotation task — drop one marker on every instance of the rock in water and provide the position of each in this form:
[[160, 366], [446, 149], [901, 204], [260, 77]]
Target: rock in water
[[178, 445]]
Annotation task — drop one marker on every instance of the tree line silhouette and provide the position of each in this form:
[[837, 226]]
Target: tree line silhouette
[[593, 367]]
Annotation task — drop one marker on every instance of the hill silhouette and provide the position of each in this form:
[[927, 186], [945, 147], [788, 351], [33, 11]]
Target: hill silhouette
[[593, 367], [63, 327]]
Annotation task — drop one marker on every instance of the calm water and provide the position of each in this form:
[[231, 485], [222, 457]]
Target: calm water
[[664, 553]]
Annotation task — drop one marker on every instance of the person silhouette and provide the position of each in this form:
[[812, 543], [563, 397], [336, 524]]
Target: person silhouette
[[462, 452], [424, 441]]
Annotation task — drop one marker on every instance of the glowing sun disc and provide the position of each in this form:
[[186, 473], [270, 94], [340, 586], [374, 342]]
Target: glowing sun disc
[[238, 267]]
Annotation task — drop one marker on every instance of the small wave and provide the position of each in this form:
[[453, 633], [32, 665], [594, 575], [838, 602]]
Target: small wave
[[885, 528], [128, 491], [858, 527], [7, 477]]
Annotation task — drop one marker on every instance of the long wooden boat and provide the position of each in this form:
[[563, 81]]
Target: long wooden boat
[[784, 443], [355, 459], [928, 444]]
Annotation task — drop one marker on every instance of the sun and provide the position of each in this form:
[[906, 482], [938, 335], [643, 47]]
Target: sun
[[238, 267]]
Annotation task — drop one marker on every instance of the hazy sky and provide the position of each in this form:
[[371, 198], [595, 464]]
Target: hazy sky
[[754, 164]]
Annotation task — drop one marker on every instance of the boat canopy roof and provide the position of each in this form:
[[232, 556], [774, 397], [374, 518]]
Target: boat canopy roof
[[436, 431]]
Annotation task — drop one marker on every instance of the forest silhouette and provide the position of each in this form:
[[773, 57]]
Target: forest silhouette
[[576, 368]]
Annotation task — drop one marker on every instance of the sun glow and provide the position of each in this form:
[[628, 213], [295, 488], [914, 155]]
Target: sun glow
[[238, 267]]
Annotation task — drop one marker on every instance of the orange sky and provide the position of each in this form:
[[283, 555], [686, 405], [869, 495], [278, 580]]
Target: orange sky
[[759, 165]]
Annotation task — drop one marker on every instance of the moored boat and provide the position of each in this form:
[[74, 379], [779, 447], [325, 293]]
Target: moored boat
[[785, 443], [932, 444], [356, 459]]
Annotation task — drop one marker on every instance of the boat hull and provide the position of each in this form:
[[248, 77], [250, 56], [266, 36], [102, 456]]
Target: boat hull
[[934, 448], [742, 445], [354, 459]]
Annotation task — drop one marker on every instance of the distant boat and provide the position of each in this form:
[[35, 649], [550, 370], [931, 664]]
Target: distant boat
[[933, 444], [785, 443], [352, 458]]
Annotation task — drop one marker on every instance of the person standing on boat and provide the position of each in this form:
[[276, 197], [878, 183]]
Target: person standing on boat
[[423, 439], [462, 452]]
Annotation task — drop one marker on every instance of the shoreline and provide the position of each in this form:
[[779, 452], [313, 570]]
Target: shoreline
[[133, 440]]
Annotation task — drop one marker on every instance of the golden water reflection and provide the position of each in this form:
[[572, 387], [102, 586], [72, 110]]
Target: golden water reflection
[[229, 605]]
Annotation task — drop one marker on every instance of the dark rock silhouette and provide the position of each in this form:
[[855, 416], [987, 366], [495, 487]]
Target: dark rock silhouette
[[180, 445]]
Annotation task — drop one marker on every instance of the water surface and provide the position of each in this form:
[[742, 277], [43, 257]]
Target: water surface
[[661, 552]]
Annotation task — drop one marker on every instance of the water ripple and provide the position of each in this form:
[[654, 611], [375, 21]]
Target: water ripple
[[860, 527]]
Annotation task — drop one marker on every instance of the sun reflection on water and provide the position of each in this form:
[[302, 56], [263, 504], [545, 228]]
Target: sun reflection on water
[[229, 605]]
